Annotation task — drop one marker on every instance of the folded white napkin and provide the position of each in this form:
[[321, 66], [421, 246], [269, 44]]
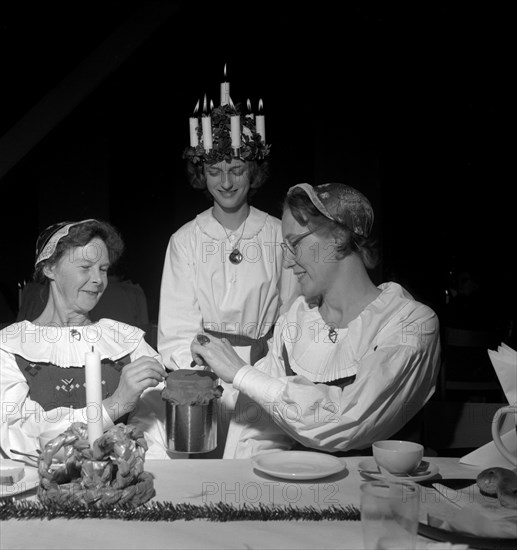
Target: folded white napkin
[[488, 456], [504, 361]]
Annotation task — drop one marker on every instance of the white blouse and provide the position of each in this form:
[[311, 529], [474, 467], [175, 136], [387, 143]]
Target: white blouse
[[202, 289], [392, 348], [23, 419]]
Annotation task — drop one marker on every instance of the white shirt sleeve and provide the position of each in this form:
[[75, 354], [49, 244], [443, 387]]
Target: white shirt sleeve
[[149, 414], [180, 316], [252, 430], [391, 385]]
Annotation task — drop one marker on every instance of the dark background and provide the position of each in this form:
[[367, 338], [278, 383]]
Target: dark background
[[407, 103]]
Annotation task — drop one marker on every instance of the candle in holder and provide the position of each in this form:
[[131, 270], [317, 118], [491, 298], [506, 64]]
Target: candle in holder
[[235, 127], [194, 123], [93, 376], [225, 89], [260, 122], [206, 123], [236, 131]]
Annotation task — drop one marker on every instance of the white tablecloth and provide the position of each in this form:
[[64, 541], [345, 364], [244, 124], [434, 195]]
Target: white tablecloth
[[205, 481]]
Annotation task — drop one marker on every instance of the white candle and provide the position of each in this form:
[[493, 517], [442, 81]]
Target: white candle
[[260, 122], [93, 376], [235, 126], [194, 123], [235, 121], [206, 123], [225, 89]]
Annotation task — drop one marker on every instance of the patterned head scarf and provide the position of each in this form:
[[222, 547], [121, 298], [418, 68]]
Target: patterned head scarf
[[342, 204], [49, 237]]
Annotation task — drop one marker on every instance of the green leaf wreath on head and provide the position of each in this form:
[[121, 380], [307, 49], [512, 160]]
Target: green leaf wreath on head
[[252, 147]]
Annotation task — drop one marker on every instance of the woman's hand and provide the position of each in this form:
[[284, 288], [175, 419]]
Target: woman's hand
[[218, 354], [145, 372]]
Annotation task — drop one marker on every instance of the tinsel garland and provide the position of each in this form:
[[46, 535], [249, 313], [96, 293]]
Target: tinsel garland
[[166, 511]]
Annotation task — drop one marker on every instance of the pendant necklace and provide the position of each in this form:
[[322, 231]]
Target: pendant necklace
[[235, 254], [332, 334]]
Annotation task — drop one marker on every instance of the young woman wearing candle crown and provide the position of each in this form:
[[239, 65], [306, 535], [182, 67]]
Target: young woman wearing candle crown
[[223, 269], [43, 372], [350, 362]]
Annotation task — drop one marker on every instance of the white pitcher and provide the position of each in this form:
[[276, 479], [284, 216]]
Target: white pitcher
[[496, 434]]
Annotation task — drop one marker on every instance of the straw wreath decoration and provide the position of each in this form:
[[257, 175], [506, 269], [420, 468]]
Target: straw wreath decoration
[[111, 472]]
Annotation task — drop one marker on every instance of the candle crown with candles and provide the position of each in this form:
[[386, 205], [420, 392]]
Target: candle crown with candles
[[251, 142]]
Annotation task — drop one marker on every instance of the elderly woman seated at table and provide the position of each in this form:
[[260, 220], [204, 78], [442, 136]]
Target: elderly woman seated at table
[[42, 382], [350, 363]]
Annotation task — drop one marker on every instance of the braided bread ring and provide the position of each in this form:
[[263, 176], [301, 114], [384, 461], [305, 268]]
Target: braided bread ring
[[500, 483], [87, 475]]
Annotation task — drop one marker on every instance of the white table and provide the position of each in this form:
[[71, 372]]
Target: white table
[[205, 481]]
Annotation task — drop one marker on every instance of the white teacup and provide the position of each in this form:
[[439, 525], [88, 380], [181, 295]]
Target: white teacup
[[398, 457], [49, 435]]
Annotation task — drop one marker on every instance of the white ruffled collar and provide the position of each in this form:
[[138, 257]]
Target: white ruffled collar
[[66, 346], [310, 351]]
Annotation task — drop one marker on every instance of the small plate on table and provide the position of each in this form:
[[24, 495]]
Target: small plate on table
[[368, 468], [29, 481], [457, 537], [298, 465]]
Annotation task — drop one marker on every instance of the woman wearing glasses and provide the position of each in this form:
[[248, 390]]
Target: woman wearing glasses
[[223, 270], [350, 362]]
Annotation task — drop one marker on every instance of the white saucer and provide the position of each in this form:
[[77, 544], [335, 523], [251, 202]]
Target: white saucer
[[298, 464], [29, 480], [369, 468]]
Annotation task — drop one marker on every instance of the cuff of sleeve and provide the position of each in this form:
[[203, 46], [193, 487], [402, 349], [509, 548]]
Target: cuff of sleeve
[[261, 387], [107, 423]]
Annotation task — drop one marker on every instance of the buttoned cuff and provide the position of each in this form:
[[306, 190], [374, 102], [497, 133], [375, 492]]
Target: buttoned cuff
[[261, 387]]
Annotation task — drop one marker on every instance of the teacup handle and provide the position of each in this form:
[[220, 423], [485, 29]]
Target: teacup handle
[[496, 435]]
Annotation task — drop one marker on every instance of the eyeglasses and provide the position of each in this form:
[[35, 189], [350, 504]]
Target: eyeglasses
[[289, 248]]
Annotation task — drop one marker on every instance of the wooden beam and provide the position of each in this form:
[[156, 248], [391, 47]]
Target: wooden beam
[[75, 87]]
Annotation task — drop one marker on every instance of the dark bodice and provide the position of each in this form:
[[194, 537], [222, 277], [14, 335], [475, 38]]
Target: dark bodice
[[53, 386]]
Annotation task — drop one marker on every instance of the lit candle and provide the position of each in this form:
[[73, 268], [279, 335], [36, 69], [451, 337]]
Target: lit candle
[[206, 123], [92, 365], [20, 291], [235, 126], [225, 89], [249, 115], [194, 123], [260, 122]]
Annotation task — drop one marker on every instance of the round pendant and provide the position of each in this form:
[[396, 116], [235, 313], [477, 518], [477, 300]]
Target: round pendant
[[235, 256]]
